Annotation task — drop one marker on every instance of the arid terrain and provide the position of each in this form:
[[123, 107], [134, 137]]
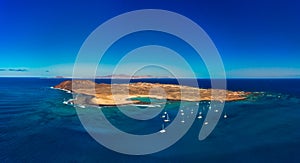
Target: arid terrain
[[121, 94]]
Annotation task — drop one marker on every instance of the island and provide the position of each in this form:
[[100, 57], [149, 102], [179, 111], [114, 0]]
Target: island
[[123, 94]]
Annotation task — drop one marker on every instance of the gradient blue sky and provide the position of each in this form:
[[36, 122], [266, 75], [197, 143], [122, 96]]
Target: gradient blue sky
[[258, 38]]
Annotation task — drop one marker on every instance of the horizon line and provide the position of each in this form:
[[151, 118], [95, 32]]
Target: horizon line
[[42, 77]]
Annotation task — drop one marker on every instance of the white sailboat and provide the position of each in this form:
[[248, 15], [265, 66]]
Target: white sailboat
[[163, 130], [182, 121], [200, 115], [225, 116], [167, 118], [164, 115]]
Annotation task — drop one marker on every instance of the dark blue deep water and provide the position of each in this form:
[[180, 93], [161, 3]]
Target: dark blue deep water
[[35, 126]]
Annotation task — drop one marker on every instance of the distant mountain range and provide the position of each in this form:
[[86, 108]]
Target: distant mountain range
[[123, 76]]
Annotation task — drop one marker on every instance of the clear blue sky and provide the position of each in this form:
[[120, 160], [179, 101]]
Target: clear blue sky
[[257, 38]]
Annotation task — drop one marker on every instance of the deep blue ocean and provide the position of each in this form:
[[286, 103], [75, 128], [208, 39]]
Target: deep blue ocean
[[35, 126]]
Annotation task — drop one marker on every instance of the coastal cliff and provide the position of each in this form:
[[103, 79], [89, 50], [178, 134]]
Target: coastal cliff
[[120, 94]]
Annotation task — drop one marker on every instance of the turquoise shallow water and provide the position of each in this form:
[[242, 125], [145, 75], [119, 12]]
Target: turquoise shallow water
[[36, 126]]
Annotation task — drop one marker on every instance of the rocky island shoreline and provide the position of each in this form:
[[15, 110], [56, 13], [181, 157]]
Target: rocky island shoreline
[[123, 94]]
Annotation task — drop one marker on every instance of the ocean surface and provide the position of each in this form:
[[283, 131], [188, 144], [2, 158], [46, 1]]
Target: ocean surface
[[36, 126]]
